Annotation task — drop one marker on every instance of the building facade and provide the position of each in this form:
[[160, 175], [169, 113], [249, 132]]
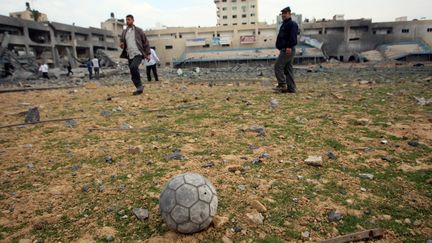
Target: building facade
[[344, 40], [114, 25], [53, 43], [236, 12], [28, 15]]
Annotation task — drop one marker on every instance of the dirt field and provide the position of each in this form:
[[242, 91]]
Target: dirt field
[[56, 185]]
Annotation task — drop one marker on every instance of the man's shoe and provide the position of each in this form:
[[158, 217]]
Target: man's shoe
[[138, 91], [280, 89]]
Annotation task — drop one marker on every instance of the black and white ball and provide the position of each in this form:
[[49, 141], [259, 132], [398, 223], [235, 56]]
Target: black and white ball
[[188, 203]]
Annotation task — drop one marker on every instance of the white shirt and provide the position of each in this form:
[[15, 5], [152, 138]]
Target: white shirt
[[153, 58], [95, 62], [43, 68], [132, 47]]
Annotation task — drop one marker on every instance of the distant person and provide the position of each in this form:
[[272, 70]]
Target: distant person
[[69, 69], [96, 67], [44, 70], [151, 65], [9, 69], [135, 48], [89, 65], [285, 43]]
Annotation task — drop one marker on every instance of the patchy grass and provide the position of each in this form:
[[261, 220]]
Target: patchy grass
[[297, 197]]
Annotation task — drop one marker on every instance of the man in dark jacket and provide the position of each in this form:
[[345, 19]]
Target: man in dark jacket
[[285, 43], [135, 47]]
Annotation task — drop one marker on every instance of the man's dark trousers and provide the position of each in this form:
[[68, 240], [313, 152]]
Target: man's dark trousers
[[90, 70], [284, 70], [154, 69], [135, 74], [96, 71]]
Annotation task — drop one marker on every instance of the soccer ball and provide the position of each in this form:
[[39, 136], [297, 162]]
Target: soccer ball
[[188, 203]]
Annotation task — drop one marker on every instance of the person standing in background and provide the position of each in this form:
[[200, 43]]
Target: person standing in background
[[151, 65], [96, 67]]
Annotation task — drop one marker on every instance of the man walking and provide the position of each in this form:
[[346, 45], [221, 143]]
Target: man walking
[[96, 67], [89, 65], [151, 65], [135, 47], [285, 43], [69, 68]]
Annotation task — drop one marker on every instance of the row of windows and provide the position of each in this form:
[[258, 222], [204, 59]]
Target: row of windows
[[405, 31], [170, 47], [235, 8], [233, 1], [242, 23], [235, 16]]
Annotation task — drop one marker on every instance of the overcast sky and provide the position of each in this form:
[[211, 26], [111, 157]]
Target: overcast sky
[[149, 13]]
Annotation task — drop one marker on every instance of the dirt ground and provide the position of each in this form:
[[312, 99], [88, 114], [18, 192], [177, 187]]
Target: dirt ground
[[56, 184]]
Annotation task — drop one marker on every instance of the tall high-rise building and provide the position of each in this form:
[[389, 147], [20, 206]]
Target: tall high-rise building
[[236, 12]]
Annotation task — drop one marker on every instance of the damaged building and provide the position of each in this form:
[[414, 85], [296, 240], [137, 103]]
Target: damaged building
[[24, 41], [364, 40], [237, 41]]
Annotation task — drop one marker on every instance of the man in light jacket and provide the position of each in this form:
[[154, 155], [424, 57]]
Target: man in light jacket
[[151, 65]]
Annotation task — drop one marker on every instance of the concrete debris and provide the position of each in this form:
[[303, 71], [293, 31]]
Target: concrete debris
[[141, 214], [366, 176], [422, 101], [176, 155], [314, 161], [255, 218], [260, 130], [362, 122], [274, 103], [32, 115]]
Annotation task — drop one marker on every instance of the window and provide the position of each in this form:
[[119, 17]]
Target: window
[[180, 36], [224, 9], [234, 23], [167, 64], [234, 16], [244, 23], [206, 46], [225, 17], [429, 30], [252, 6], [243, 15], [252, 22], [405, 30], [252, 14], [234, 8], [168, 47]]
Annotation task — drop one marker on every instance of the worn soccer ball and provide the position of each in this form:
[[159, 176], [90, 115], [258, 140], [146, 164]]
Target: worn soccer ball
[[188, 203]]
